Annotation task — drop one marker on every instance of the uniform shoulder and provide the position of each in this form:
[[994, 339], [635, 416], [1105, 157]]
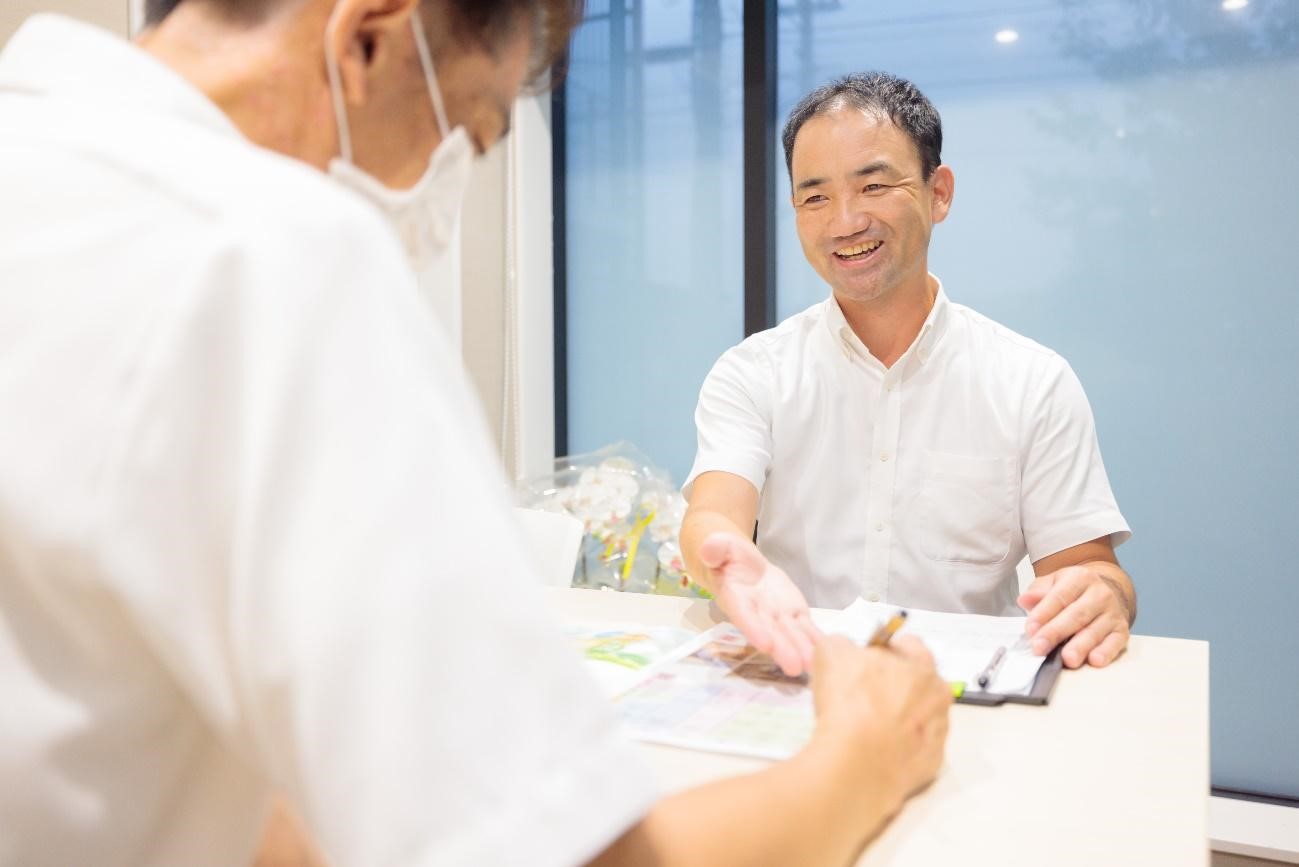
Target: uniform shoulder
[[1006, 340], [273, 198], [288, 224], [789, 335]]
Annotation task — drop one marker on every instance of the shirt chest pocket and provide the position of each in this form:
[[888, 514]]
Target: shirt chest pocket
[[965, 510]]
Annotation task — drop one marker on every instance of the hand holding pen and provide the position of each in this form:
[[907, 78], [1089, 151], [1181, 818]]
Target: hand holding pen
[[887, 629]]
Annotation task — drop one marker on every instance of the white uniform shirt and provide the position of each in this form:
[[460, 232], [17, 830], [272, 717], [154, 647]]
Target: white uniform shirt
[[251, 533], [923, 484]]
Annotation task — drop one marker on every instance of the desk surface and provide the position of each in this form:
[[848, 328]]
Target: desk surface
[[1114, 771]]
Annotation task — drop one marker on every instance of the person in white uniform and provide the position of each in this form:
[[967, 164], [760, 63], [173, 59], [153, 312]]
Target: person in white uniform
[[252, 537], [889, 443]]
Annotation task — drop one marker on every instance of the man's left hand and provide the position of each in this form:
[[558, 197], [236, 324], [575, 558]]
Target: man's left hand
[[1080, 605]]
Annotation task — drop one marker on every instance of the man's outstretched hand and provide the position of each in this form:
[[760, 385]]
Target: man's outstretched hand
[[760, 600]]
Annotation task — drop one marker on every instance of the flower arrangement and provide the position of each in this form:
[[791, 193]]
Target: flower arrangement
[[631, 513]]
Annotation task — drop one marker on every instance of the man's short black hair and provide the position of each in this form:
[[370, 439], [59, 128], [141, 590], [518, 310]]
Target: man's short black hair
[[882, 95]]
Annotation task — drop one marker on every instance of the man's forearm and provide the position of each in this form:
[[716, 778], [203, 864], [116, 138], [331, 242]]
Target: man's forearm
[[814, 809], [697, 526]]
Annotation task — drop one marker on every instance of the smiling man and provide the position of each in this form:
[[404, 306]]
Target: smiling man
[[888, 443]]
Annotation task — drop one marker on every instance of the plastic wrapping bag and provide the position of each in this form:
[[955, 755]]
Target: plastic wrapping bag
[[631, 512]]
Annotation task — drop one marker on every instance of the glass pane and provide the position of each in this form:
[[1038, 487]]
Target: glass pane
[[654, 190], [1123, 177]]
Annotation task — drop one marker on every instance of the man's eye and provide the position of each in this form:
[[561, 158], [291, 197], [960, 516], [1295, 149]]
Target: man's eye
[[873, 188], [813, 200]]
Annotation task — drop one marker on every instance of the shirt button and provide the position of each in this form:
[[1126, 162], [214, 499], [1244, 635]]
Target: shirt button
[[874, 597], [884, 456]]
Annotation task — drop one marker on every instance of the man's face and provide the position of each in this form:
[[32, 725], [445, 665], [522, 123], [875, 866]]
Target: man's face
[[863, 210]]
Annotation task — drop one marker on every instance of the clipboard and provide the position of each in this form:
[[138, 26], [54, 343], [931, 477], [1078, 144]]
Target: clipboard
[[1040, 694]]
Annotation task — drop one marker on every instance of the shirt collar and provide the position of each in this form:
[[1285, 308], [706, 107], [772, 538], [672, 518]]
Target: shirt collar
[[60, 57], [922, 348]]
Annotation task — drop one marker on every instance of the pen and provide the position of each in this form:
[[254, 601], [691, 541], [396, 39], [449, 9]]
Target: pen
[[886, 630], [985, 677]]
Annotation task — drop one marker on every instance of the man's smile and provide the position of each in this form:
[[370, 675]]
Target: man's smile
[[858, 252]]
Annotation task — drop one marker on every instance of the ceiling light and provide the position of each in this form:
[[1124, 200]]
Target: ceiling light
[[1007, 36], [1233, 5]]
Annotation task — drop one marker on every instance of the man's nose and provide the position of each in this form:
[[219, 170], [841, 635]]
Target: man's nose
[[847, 219]]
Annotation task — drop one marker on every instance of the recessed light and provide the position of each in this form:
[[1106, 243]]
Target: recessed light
[[1233, 5], [1007, 36]]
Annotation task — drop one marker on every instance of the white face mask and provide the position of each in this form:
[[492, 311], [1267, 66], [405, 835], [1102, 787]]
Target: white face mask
[[427, 215]]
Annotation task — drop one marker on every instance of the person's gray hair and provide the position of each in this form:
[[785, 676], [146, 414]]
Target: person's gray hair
[[485, 21]]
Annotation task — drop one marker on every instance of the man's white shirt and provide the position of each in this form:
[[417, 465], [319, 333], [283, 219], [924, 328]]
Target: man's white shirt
[[251, 533], [923, 484]]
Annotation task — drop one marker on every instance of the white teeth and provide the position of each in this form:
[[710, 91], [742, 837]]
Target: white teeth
[[848, 252]]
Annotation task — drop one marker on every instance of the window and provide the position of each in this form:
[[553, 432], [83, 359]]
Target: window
[[1122, 196], [1117, 167], [654, 227]]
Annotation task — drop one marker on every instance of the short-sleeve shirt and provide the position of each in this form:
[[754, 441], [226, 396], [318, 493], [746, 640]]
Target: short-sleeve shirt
[[923, 484], [252, 534]]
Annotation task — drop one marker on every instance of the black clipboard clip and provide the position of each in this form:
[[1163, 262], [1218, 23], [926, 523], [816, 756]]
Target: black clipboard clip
[[1040, 693]]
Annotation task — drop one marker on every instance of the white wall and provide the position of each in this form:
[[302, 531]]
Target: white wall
[[511, 187], [110, 14], [482, 251]]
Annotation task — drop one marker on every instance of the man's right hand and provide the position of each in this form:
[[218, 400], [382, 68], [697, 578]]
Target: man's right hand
[[885, 710], [760, 600]]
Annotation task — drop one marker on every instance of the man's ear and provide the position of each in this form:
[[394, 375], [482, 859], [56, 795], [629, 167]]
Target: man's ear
[[943, 184], [362, 35]]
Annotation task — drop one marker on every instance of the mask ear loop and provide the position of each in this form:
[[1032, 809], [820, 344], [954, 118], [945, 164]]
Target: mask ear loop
[[336, 89], [430, 76]]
